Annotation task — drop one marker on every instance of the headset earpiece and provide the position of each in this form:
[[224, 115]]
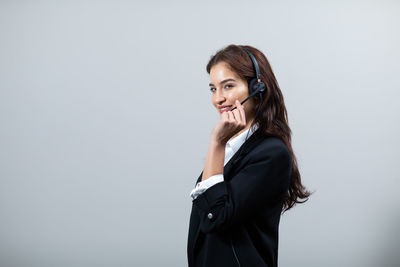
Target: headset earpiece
[[256, 87], [252, 86]]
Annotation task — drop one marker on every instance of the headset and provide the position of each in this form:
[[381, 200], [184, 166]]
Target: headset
[[256, 86]]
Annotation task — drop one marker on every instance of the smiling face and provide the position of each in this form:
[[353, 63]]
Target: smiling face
[[226, 87]]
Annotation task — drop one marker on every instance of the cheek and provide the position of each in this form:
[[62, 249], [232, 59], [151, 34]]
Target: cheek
[[243, 92], [232, 95], [240, 94]]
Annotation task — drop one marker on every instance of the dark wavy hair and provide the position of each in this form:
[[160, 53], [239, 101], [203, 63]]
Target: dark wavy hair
[[272, 118]]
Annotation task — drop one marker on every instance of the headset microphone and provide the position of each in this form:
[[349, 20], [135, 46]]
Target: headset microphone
[[252, 94], [255, 86]]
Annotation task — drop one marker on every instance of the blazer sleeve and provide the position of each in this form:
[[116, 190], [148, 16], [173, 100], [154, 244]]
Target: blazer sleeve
[[201, 187], [265, 178]]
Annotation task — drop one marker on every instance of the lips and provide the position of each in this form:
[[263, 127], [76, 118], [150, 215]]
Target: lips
[[226, 108]]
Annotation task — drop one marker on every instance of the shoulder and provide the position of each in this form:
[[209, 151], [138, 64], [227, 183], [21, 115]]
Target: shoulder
[[270, 146]]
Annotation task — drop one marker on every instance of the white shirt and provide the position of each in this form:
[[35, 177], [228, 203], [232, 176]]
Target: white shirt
[[231, 147]]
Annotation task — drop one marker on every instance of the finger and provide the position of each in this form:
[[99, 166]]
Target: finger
[[241, 111], [224, 116], [243, 114], [237, 115], [232, 117]]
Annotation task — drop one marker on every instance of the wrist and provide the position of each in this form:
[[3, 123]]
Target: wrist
[[217, 144]]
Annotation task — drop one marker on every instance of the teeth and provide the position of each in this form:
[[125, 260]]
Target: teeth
[[225, 108]]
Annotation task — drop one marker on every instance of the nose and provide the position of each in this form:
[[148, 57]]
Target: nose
[[219, 97]]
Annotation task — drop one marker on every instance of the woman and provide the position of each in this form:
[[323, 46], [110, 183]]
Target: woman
[[250, 175]]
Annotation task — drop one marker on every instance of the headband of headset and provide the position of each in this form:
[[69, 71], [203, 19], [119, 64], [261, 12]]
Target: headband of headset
[[253, 59]]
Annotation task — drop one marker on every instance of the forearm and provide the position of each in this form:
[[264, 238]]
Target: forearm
[[214, 160]]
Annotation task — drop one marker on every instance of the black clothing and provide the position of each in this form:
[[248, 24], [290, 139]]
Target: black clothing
[[236, 222]]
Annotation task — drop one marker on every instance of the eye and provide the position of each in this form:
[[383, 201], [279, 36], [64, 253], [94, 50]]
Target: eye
[[228, 86]]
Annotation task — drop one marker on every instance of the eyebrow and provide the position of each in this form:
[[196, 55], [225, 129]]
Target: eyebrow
[[224, 81]]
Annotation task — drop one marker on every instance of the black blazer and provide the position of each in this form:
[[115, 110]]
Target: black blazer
[[236, 222]]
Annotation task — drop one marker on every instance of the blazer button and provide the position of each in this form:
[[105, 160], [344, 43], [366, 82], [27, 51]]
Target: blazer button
[[210, 216]]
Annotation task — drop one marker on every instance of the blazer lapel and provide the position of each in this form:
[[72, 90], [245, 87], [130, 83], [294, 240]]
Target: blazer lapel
[[244, 149]]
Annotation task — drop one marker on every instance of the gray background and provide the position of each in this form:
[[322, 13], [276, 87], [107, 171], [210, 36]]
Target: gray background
[[106, 114]]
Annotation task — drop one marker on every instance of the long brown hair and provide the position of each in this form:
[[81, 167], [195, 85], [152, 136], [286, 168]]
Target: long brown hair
[[272, 118]]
